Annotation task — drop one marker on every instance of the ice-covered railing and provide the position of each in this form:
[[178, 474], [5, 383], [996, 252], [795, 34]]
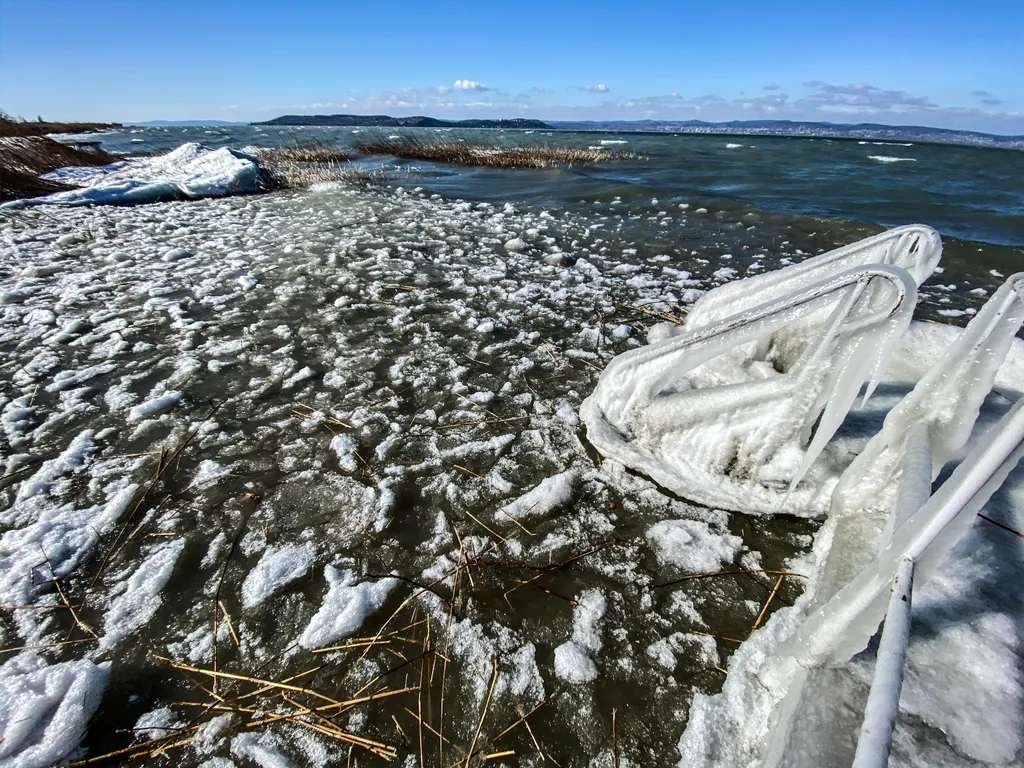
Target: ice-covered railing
[[892, 478], [724, 411]]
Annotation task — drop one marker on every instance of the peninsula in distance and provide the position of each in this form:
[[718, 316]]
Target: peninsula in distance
[[416, 121], [808, 129]]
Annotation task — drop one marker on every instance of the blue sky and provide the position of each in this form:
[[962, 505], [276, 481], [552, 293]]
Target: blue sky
[[942, 63]]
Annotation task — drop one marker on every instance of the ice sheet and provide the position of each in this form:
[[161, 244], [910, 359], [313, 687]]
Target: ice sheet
[[190, 171]]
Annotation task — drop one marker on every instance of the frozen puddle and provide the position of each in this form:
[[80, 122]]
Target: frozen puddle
[[330, 441]]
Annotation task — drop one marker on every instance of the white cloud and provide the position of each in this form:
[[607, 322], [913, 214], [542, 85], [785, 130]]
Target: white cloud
[[599, 88], [470, 85]]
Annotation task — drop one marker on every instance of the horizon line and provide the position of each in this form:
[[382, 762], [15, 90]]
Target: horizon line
[[203, 121]]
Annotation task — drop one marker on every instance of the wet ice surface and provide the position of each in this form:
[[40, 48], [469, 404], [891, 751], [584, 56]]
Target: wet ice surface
[[256, 413]]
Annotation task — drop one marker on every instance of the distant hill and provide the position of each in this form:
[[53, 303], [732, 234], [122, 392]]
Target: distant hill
[[863, 131], [384, 121]]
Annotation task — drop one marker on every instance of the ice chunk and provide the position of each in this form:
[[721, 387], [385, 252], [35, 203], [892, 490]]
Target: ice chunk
[[344, 448], [586, 620], [692, 546], [139, 595], [573, 664], [346, 606], [263, 749], [44, 710], [550, 494], [277, 567], [155, 406], [190, 171]]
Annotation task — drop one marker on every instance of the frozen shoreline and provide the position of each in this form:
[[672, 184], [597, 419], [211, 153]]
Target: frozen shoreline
[[454, 342]]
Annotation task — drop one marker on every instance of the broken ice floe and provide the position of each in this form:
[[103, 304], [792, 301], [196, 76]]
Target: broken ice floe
[[44, 709]]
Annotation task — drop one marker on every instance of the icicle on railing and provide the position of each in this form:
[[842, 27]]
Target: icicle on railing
[[946, 402], [892, 477], [706, 411]]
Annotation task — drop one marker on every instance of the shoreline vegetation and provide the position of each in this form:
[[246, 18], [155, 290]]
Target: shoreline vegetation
[[461, 152], [311, 163], [12, 127], [26, 155]]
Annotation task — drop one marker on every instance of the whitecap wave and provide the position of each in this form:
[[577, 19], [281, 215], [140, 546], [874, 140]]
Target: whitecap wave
[[890, 159]]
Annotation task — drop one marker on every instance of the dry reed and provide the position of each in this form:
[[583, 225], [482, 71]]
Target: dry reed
[[303, 165], [23, 159], [462, 152]]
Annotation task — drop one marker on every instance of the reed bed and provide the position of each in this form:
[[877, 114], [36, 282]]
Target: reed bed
[[24, 158], [460, 152], [303, 165]]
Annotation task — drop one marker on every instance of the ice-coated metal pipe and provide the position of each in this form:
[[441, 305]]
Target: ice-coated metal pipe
[[884, 699], [916, 481], [970, 478]]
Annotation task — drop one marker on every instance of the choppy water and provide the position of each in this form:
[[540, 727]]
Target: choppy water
[[969, 193], [388, 370], [760, 194]]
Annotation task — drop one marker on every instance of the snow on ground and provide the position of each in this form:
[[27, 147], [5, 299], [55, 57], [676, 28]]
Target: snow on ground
[[249, 412]]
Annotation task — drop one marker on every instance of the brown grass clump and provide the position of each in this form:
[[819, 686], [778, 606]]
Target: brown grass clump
[[314, 152], [462, 152], [306, 164], [23, 159]]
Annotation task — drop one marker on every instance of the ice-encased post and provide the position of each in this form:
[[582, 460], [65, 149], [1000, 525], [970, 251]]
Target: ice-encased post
[[887, 684]]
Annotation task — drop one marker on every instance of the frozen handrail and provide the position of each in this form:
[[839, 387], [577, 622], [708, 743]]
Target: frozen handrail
[[924, 539], [945, 403], [893, 476], [644, 399], [915, 247]]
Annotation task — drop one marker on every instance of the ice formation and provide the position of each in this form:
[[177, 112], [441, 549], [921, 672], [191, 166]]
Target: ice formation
[[723, 411], [794, 685], [190, 171], [277, 567], [346, 605], [44, 709]]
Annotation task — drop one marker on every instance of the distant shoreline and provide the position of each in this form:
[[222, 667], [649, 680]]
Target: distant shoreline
[[386, 121], [779, 128]]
